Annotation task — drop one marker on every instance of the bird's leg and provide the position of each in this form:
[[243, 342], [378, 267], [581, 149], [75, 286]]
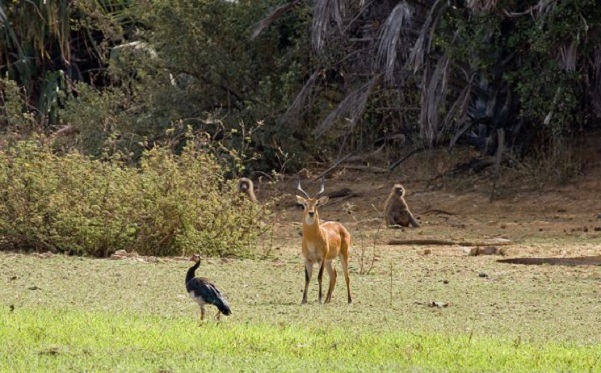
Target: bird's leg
[[202, 314], [218, 316]]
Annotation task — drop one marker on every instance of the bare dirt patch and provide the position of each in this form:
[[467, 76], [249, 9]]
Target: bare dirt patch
[[557, 221]]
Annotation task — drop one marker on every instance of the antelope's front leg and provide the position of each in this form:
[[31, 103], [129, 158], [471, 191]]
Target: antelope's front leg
[[332, 273], [308, 274], [320, 277]]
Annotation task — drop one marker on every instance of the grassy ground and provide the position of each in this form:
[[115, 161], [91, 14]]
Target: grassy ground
[[65, 313], [67, 339], [61, 313]]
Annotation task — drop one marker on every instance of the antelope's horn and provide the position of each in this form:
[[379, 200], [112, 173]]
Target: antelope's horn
[[298, 187], [323, 186]]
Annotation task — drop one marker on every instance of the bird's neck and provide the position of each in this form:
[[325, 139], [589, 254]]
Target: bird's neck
[[192, 271]]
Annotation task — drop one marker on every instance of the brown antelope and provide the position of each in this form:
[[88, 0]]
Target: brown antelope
[[322, 243]]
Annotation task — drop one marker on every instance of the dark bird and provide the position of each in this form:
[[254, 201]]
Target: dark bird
[[204, 291]]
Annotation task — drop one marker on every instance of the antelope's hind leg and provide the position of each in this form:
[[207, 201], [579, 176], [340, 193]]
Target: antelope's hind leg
[[344, 261]]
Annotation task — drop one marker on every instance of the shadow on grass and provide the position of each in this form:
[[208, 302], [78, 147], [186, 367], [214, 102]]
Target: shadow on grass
[[584, 260]]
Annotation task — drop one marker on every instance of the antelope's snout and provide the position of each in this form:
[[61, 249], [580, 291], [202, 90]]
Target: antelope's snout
[[311, 213]]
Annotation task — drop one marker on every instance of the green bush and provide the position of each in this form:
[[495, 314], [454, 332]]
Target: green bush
[[169, 205]]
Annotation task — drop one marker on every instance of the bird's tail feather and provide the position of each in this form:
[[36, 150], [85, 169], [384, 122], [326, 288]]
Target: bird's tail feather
[[223, 306]]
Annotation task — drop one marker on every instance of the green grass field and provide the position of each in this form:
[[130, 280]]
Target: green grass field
[[68, 339], [77, 314]]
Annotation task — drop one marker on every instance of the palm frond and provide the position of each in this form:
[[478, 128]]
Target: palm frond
[[3, 17], [596, 80], [401, 16], [544, 8], [481, 5], [324, 11], [538, 11], [352, 106], [294, 110], [567, 54], [422, 44], [552, 109], [432, 97], [273, 16], [457, 114]]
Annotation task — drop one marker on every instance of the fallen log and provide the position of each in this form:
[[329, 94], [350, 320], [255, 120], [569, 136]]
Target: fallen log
[[428, 241]]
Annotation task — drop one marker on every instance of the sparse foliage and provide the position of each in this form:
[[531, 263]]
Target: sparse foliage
[[170, 205]]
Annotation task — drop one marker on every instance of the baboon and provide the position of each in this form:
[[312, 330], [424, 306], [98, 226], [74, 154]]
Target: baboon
[[245, 186], [396, 211]]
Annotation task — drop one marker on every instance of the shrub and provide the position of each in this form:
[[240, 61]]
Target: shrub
[[169, 205]]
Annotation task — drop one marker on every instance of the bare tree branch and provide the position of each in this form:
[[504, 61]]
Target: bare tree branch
[[407, 156]]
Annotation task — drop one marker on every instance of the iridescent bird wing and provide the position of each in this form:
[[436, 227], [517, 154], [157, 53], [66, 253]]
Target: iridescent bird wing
[[209, 293]]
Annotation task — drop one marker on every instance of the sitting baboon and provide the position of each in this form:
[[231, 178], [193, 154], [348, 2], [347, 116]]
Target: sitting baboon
[[245, 186], [396, 211]]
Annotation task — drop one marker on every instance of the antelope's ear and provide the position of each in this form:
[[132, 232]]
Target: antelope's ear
[[323, 200], [301, 201]]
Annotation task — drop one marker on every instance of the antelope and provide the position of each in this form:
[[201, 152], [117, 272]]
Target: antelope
[[322, 243]]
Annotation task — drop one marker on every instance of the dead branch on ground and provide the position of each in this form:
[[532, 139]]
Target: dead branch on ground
[[428, 241]]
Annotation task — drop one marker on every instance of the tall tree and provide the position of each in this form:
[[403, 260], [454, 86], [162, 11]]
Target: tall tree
[[47, 45], [456, 71]]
